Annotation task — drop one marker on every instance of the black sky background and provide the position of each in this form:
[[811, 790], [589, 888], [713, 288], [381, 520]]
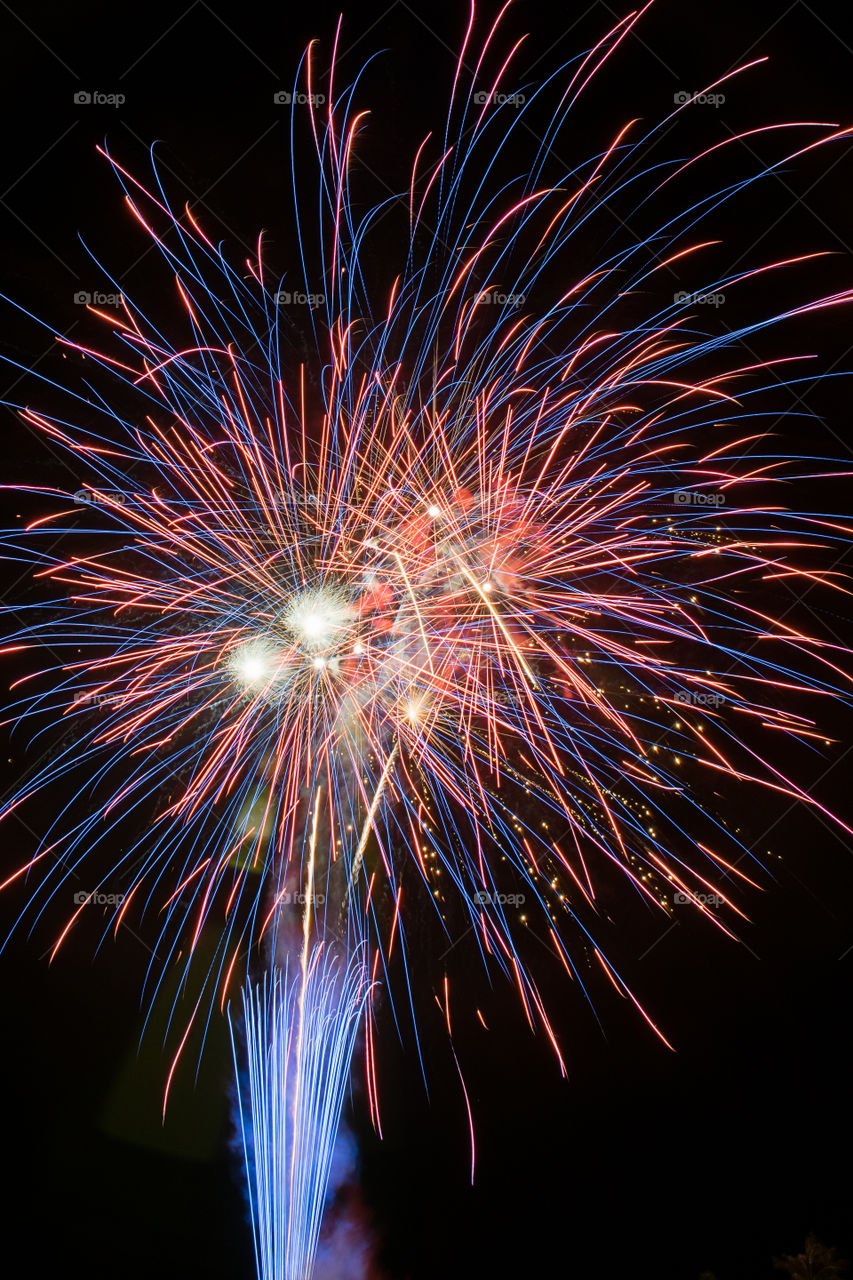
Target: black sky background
[[645, 1162]]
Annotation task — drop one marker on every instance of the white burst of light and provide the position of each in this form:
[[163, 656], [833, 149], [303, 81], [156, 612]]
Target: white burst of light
[[317, 619], [256, 663]]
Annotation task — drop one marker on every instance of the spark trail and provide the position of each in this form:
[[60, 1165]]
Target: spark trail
[[300, 1033]]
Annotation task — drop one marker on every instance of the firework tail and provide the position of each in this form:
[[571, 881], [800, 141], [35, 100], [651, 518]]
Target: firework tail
[[300, 1036], [300, 1024]]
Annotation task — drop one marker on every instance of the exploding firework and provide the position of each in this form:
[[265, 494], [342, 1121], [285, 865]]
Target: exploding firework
[[479, 577]]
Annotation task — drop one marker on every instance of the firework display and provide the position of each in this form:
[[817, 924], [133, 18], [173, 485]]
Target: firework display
[[468, 608]]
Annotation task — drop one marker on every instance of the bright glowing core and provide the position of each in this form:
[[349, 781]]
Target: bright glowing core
[[313, 625], [252, 669], [255, 663], [317, 618]]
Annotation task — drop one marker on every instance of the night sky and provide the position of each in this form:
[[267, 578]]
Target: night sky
[[714, 1158]]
